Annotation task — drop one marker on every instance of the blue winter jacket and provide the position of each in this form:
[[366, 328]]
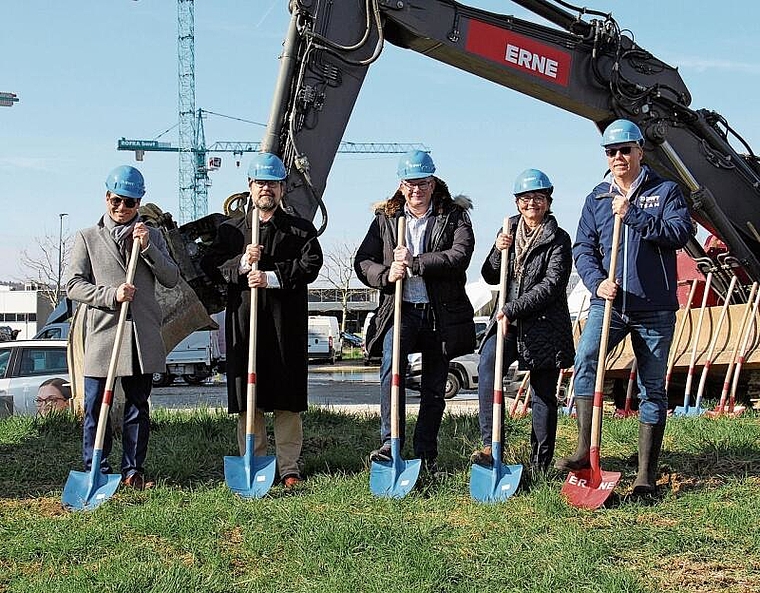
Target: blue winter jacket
[[656, 224]]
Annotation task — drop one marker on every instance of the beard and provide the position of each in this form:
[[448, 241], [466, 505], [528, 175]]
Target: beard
[[266, 202]]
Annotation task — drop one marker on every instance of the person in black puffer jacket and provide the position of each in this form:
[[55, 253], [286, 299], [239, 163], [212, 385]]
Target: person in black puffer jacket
[[436, 315], [535, 317]]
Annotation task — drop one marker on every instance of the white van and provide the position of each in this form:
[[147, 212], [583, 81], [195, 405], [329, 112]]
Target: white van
[[325, 341]]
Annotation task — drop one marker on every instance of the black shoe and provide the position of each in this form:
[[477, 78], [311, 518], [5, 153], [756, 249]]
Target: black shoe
[[382, 455], [430, 466]]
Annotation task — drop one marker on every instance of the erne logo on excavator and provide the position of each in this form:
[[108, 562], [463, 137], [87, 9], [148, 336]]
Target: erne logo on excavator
[[518, 52]]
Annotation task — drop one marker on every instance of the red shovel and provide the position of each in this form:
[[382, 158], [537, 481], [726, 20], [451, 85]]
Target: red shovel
[[589, 488]]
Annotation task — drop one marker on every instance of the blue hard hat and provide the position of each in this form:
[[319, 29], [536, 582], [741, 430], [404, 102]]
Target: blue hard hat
[[126, 181], [415, 164], [532, 180], [267, 167], [621, 131]]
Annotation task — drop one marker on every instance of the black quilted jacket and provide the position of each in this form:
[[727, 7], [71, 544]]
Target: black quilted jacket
[[545, 335]]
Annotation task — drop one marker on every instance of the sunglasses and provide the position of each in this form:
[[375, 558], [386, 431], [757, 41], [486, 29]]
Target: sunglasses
[[128, 202], [620, 149]]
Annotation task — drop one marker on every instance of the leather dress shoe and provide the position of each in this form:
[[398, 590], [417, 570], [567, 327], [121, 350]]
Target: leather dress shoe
[[291, 481], [137, 481]]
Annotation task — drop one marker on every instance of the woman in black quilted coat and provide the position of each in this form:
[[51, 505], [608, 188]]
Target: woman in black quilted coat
[[535, 317]]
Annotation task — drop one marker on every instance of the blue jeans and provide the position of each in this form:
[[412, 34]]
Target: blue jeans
[[543, 382], [135, 429], [417, 335], [651, 335]]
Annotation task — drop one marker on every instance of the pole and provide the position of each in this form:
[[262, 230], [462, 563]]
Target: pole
[[60, 257]]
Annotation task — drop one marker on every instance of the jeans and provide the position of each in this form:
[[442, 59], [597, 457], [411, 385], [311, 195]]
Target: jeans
[[417, 335], [651, 335], [543, 383], [135, 428]]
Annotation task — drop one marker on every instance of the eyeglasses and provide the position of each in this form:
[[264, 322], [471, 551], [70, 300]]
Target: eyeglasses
[[266, 182], [537, 198], [128, 202], [424, 184], [610, 152]]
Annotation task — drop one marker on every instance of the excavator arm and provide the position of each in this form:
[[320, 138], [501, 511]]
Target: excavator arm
[[585, 65]]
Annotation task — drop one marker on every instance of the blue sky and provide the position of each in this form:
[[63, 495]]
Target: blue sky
[[92, 71]]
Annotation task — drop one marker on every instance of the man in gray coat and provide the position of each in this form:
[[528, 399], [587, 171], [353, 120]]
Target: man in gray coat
[[98, 270]]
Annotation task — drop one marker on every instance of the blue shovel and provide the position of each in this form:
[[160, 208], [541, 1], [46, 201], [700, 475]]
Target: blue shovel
[[500, 481], [251, 476], [395, 478], [84, 491]]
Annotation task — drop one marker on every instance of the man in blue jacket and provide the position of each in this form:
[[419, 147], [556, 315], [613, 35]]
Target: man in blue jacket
[[656, 223]]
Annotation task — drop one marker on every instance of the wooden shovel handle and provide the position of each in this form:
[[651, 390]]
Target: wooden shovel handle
[[396, 360], [105, 406], [498, 379], [250, 395], [596, 421]]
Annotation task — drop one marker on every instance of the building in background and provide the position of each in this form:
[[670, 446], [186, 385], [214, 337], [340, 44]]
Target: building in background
[[24, 308]]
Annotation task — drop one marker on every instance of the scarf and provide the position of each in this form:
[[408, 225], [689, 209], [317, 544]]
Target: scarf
[[122, 234], [525, 238]]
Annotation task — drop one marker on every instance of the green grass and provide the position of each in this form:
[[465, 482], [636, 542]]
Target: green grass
[[190, 533]]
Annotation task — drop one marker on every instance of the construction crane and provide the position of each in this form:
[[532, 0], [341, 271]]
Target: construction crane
[[194, 178], [194, 163]]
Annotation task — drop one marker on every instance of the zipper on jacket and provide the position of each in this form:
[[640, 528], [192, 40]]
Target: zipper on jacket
[[625, 268], [437, 238], [662, 265]]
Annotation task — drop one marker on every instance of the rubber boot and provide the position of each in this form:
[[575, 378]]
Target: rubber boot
[[584, 407], [650, 444]]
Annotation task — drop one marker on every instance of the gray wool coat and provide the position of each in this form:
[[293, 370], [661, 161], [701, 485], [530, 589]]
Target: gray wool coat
[[95, 272]]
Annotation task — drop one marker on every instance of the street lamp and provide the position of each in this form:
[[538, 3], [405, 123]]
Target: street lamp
[[60, 257]]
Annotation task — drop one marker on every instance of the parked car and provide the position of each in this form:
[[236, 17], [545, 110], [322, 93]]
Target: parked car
[[7, 334], [54, 331], [352, 339], [463, 374], [34, 376], [463, 370]]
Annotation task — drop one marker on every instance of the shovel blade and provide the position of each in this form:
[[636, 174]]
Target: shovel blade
[[693, 411], [249, 476], [496, 483], [585, 490], [682, 411], [393, 479], [85, 491]]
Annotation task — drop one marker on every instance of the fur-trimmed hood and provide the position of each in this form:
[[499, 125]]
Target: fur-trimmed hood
[[442, 201]]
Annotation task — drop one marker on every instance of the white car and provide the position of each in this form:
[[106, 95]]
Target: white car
[[34, 377], [463, 370]]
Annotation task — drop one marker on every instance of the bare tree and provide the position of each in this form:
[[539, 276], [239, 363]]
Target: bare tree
[[41, 264], [337, 271]]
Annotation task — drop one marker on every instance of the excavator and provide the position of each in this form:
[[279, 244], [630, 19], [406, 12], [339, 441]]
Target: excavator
[[585, 64]]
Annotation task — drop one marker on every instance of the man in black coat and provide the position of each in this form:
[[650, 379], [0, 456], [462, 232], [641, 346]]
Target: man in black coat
[[436, 315], [289, 258]]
